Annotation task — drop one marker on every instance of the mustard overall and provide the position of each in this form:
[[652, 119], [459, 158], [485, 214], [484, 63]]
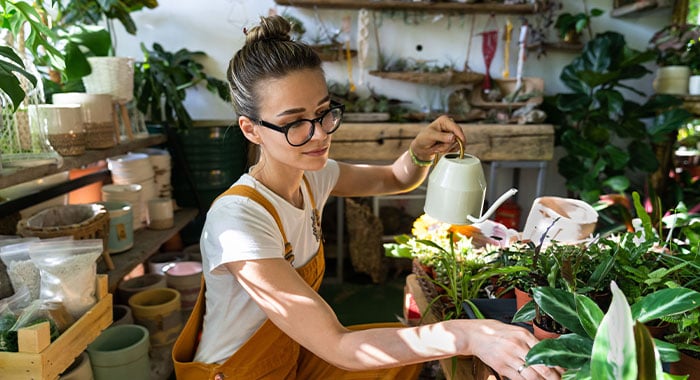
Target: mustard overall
[[270, 353]]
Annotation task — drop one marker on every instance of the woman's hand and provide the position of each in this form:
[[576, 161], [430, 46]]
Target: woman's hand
[[503, 347], [439, 137]]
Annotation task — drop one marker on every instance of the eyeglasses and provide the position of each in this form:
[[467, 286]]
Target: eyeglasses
[[299, 132]]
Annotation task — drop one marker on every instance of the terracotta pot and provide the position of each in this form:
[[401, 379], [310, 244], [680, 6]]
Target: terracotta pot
[[657, 329], [521, 298], [541, 333], [688, 365]]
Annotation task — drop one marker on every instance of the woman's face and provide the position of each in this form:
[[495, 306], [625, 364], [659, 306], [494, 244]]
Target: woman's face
[[301, 94]]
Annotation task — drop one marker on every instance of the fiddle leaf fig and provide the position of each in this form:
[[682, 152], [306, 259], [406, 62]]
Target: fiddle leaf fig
[[605, 134]]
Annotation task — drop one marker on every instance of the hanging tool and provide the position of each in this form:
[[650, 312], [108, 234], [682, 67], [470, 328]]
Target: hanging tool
[[345, 29], [489, 43], [363, 20], [507, 35], [522, 44]]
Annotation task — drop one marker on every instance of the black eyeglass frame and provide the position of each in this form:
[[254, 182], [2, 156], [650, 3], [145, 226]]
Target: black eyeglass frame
[[285, 128]]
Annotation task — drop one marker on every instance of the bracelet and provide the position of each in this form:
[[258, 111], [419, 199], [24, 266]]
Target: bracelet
[[417, 161]]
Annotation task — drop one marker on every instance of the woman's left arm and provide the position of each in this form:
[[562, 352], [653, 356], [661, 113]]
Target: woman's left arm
[[405, 173]]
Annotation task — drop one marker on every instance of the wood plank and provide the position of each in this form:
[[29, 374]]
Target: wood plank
[[418, 6], [146, 243], [638, 7], [384, 142], [13, 175]]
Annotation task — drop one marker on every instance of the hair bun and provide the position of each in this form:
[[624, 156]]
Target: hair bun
[[270, 28]]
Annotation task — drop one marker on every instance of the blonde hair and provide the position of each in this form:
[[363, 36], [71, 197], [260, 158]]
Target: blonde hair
[[268, 52]]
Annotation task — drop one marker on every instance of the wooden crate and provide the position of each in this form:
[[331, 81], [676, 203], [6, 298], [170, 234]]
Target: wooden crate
[[39, 358], [467, 367]]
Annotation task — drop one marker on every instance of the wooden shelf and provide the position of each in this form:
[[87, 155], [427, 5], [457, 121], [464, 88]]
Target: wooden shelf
[[557, 46], [13, 175], [419, 6], [146, 243], [638, 7]]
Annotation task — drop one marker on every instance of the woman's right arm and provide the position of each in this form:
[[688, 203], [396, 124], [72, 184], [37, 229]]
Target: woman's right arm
[[299, 311]]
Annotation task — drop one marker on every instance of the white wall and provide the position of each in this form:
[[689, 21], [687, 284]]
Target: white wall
[[216, 28]]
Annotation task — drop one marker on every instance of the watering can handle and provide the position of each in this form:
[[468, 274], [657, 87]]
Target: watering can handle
[[461, 151]]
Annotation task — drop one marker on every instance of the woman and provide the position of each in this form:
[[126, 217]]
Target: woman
[[262, 246]]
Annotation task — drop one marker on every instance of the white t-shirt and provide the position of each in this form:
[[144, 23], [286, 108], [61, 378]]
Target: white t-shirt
[[238, 228]]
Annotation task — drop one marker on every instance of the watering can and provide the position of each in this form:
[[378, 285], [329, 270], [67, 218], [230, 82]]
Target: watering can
[[457, 188]]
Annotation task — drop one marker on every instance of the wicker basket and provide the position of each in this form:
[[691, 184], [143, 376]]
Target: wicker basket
[[83, 221], [442, 79], [111, 75], [430, 291]]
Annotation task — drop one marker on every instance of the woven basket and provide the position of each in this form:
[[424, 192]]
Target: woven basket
[[111, 75], [446, 78], [430, 291], [83, 221]]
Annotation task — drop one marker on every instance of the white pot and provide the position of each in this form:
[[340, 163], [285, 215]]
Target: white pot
[[672, 80], [694, 85]]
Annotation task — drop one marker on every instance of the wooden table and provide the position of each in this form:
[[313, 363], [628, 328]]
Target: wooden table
[[374, 142]]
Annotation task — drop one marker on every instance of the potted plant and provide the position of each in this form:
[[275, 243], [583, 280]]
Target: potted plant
[[610, 345], [610, 140], [676, 46], [453, 263], [570, 26], [161, 82]]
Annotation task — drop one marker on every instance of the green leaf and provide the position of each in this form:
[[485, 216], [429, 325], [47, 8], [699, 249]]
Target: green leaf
[[617, 158], [612, 99], [613, 355], [9, 68], [642, 156], [526, 313], [648, 365], [560, 305], [618, 183], [77, 65], [668, 352], [589, 313], [665, 302], [571, 102], [567, 351]]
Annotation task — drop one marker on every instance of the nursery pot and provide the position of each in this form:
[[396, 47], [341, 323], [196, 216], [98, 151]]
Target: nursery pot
[[688, 365], [120, 352]]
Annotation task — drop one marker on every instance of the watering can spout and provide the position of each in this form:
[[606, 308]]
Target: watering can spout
[[493, 207]]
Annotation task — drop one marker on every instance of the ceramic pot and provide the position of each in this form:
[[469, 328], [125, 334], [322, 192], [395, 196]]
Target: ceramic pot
[[161, 262], [121, 315], [138, 284], [159, 311], [81, 369], [97, 112], [694, 85], [672, 80], [186, 278], [63, 125], [120, 352], [121, 226]]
